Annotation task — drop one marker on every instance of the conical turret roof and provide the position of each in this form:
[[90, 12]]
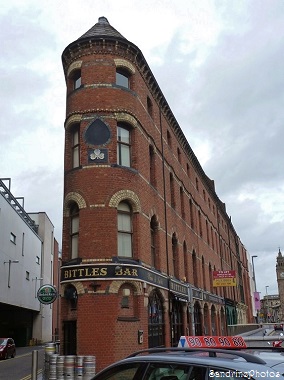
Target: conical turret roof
[[102, 29]]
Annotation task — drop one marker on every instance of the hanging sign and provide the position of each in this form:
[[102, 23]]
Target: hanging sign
[[224, 278], [47, 294]]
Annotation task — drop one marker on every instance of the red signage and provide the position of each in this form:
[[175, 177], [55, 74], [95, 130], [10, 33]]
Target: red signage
[[234, 342]]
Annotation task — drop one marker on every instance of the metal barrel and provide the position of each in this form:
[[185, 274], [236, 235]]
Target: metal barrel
[[79, 369], [52, 367], [69, 367], [60, 367], [89, 365], [49, 350]]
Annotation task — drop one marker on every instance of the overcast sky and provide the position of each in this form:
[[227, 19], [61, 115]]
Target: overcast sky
[[220, 67]]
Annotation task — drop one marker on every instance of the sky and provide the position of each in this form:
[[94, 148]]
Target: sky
[[218, 63]]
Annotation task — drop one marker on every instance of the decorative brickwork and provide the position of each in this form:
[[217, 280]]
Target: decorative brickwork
[[123, 63], [74, 66], [73, 197], [125, 195]]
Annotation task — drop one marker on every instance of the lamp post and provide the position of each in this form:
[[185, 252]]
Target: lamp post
[[267, 286], [254, 281], [9, 270]]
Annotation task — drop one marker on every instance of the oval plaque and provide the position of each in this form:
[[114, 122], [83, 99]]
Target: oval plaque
[[47, 294]]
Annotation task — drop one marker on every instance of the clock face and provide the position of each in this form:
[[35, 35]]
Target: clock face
[[282, 274]]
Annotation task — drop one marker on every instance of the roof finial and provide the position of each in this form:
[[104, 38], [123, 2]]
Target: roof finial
[[103, 20]]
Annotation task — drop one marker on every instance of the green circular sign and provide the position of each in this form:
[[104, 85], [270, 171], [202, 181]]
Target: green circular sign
[[47, 294]]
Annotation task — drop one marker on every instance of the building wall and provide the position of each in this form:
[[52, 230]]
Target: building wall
[[194, 234], [26, 249]]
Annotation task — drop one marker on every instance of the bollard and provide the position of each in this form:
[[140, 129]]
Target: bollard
[[89, 365], [34, 364]]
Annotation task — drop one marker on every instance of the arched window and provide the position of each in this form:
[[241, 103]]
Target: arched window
[[153, 229], [122, 77], [75, 145], [185, 260], [203, 273], [175, 254], [74, 230], [76, 79], [124, 229], [149, 106], [194, 269], [172, 190], [152, 166], [181, 193], [156, 336], [123, 145]]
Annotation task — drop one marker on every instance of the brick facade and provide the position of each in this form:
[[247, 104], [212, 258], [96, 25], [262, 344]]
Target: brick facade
[[166, 191]]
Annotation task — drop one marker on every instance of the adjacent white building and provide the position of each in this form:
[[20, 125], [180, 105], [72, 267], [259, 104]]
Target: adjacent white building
[[26, 262]]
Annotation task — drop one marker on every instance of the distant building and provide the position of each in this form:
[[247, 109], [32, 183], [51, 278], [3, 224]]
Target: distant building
[[270, 308], [143, 228], [27, 253]]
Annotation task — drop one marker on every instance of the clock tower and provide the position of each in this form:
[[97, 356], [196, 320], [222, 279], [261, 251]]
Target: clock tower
[[280, 280]]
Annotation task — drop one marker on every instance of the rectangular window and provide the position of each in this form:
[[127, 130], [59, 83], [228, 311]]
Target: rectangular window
[[23, 244], [74, 236], [37, 260], [12, 238], [123, 146], [75, 148], [27, 275], [122, 78], [77, 79]]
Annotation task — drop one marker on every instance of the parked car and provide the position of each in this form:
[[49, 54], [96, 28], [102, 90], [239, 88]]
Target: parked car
[[7, 348], [195, 364], [278, 326]]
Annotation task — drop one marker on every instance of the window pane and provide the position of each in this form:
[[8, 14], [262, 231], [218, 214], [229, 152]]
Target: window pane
[[76, 138], [124, 222], [124, 156], [75, 224], [74, 246], [76, 157], [123, 135], [174, 371], [124, 245], [122, 80]]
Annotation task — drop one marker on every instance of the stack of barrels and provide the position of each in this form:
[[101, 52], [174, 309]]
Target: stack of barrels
[[67, 367]]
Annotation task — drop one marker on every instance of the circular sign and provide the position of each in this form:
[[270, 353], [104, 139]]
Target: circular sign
[[47, 294]]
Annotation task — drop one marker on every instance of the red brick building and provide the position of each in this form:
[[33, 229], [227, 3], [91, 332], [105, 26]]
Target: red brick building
[[143, 227]]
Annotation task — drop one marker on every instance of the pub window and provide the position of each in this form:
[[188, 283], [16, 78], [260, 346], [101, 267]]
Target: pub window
[[149, 106], [123, 145], [124, 226], [74, 230], [75, 146], [77, 79], [154, 229], [175, 254], [123, 77], [152, 166], [156, 335]]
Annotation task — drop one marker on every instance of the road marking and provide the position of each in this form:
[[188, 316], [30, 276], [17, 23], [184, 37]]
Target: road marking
[[28, 377]]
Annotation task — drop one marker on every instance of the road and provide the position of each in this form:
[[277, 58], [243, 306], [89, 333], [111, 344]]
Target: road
[[20, 367]]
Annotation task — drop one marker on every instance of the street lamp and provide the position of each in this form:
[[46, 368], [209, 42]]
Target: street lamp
[[36, 280], [267, 286], [254, 281], [9, 273]]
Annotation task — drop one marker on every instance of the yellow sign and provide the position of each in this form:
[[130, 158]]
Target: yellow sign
[[231, 281]]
